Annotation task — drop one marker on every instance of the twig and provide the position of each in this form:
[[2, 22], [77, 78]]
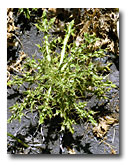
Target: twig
[[110, 146], [18, 40], [8, 76]]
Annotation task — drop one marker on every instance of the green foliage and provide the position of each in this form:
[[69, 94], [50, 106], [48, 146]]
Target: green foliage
[[58, 82], [26, 11]]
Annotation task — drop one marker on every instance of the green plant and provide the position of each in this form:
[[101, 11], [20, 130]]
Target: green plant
[[26, 11], [58, 82]]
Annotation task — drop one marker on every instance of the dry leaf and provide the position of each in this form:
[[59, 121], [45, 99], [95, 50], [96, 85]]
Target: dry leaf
[[113, 151], [52, 10], [111, 46], [85, 28], [110, 120], [101, 129], [71, 151], [101, 22], [103, 126]]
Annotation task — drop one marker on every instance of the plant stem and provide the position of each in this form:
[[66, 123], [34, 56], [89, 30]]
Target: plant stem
[[18, 140], [47, 48], [65, 41]]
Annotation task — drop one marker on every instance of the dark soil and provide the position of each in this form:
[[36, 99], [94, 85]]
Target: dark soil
[[46, 138]]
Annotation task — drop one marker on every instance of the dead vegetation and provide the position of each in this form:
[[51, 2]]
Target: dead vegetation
[[101, 21], [10, 28]]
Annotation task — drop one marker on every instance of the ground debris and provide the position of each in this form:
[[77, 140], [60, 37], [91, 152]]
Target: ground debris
[[103, 126], [102, 22], [10, 28], [17, 66], [71, 150]]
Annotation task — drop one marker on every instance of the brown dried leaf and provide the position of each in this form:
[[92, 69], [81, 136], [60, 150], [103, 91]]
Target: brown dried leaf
[[113, 151], [71, 151], [85, 28], [101, 129], [104, 126], [97, 44], [110, 120], [13, 44], [10, 25], [102, 21], [9, 35], [52, 10], [111, 46]]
